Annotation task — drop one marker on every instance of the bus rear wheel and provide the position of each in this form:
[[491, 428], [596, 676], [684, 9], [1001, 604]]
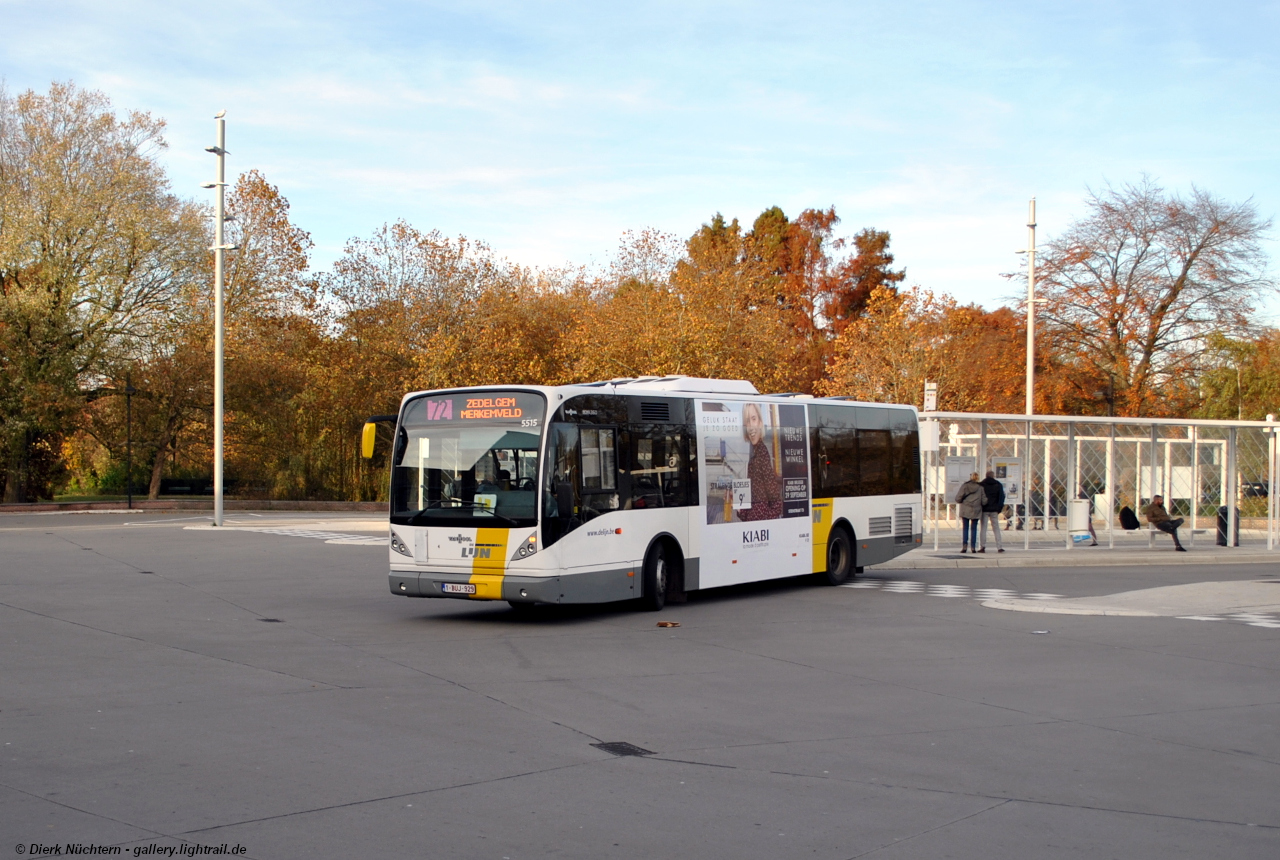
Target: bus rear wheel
[[840, 566], [655, 578]]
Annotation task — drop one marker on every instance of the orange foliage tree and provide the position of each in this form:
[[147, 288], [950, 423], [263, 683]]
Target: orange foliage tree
[[1133, 291], [907, 338]]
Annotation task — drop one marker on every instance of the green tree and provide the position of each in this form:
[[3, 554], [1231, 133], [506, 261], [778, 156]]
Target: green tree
[[93, 250], [1240, 377]]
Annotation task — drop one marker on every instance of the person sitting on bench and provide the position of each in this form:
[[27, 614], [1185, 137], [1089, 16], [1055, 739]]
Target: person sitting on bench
[[1159, 518]]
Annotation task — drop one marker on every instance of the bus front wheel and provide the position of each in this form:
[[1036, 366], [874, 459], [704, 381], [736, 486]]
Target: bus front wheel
[[655, 577], [839, 557]]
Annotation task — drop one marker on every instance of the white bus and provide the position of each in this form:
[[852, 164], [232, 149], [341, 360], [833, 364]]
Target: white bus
[[642, 489]]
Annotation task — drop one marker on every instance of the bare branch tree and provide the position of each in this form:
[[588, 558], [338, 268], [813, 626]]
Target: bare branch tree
[[1134, 289]]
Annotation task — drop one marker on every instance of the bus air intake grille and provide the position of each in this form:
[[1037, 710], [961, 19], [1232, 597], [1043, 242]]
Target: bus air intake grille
[[902, 523], [655, 411], [880, 526], [622, 748]]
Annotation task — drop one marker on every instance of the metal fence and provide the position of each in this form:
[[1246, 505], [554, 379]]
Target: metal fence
[[1216, 475]]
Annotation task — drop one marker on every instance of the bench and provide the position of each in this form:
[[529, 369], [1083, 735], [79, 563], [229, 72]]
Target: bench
[[1151, 532]]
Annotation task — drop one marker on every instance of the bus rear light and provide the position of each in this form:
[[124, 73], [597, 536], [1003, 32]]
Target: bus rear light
[[617, 531]]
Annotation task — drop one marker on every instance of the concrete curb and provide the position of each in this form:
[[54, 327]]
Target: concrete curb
[[1040, 606], [163, 505], [1034, 558], [1259, 596]]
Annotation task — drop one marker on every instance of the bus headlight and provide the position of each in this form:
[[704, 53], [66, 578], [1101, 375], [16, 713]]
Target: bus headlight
[[526, 549], [398, 545]]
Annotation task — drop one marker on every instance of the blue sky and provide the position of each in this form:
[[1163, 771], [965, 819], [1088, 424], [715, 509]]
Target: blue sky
[[549, 129]]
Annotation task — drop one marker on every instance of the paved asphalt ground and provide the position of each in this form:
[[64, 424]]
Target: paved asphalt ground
[[161, 686]]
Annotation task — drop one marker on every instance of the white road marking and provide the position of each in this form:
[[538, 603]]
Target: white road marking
[[995, 593], [948, 591], [340, 538]]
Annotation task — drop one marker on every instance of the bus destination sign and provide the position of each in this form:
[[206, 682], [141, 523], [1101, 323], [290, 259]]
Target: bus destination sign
[[521, 407], [491, 407]]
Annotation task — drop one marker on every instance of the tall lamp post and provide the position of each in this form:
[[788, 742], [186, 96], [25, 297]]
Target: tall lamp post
[[1031, 307], [129, 391], [219, 250]]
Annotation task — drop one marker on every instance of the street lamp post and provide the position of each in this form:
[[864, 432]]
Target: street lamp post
[[129, 391], [1031, 308], [219, 249]]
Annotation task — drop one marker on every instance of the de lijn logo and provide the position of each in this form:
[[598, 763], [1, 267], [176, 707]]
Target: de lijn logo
[[755, 537], [476, 551]]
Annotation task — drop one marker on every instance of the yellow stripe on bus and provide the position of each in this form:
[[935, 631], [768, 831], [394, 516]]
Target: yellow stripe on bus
[[822, 511], [488, 568]]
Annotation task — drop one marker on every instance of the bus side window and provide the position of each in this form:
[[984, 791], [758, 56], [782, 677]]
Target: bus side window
[[906, 452], [599, 472], [875, 451], [840, 459], [833, 442], [675, 488], [561, 503], [660, 468]]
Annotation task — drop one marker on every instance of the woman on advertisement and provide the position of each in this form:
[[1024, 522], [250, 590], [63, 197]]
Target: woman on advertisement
[[766, 486]]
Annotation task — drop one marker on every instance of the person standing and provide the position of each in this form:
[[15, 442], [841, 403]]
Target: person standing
[[991, 508], [1157, 516], [970, 498]]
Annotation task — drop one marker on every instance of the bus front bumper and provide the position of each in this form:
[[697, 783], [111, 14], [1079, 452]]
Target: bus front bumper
[[597, 586]]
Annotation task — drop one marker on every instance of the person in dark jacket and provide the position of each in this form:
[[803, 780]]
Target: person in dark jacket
[[1159, 517], [991, 510]]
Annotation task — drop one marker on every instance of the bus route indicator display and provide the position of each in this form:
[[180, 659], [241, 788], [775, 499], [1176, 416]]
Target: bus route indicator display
[[524, 409], [491, 407]]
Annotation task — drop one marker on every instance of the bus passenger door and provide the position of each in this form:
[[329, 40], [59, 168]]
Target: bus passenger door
[[662, 484], [584, 517]]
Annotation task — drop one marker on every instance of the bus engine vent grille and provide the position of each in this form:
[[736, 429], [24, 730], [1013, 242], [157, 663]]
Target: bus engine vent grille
[[902, 524], [880, 525], [902, 521], [655, 411]]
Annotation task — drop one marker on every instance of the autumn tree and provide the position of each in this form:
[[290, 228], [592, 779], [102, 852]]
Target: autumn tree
[[862, 274], [93, 250], [908, 337], [1134, 289], [709, 309]]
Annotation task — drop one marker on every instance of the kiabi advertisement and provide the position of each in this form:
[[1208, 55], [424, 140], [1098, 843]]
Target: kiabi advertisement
[[756, 479]]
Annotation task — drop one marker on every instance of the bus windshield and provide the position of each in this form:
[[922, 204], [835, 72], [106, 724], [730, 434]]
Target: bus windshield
[[468, 459]]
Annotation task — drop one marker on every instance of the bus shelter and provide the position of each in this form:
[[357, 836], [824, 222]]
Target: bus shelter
[[1216, 475]]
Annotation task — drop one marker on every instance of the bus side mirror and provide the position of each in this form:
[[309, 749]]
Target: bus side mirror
[[369, 436]]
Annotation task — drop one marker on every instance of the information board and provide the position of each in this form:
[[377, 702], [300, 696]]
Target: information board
[[1008, 472], [958, 471]]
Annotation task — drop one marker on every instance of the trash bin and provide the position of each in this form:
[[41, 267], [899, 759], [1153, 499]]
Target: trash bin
[[1222, 527], [1078, 520]]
